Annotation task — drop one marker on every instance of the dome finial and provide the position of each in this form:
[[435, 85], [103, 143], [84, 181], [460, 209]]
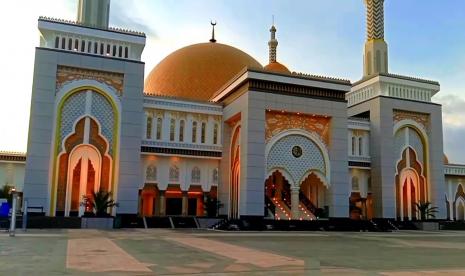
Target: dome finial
[[213, 40]]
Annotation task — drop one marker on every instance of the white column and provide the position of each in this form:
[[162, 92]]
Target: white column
[[295, 202]]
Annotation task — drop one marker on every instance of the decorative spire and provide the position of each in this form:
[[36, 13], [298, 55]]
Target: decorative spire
[[272, 44], [213, 40], [376, 50], [375, 19]]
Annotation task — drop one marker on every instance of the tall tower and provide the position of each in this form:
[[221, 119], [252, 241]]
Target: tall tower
[[95, 13], [87, 76], [405, 130], [272, 44], [376, 51]]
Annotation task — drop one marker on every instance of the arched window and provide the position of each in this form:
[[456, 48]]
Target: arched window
[[159, 127], [195, 178], [120, 54], [95, 47], [108, 49], [172, 129], [181, 131], [63, 43], [114, 50], [215, 134], [151, 173], [126, 52], [101, 48], [89, 46], [70, 44], [83, 45], [76, 45], [360, 146], [174, 174], [148, 134], [355, 185], [57, 42], [202, 135], [215, 176], [194, 132], [353, 146]]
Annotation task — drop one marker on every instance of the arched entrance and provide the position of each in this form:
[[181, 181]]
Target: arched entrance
[[278, 196], [234, 189], [83, 178], [303, 160], [409, 194], [148, 203], [460, 209], [410, 185]]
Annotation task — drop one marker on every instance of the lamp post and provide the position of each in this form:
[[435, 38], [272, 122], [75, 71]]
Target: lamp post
[[14, 194]]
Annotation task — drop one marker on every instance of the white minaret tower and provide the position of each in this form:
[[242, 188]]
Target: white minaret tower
[[95, 13], [272, 44], [375, 59]]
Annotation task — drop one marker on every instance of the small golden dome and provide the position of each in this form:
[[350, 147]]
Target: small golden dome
[[446, 159], [277, 68], [197, 71]]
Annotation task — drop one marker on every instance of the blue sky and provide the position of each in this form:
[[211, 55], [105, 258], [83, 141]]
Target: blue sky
[[426, 39]]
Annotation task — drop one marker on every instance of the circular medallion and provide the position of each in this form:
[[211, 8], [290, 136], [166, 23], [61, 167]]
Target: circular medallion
[[297, 151]]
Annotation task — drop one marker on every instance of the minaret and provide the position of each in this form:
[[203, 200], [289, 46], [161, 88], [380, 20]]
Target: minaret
[[376, 51], [95, 13], [273, 44]]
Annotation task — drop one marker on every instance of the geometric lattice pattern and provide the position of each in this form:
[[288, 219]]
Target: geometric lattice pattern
[[280, 156], [375, 19], [414, 142], [103, 111], [73, 108], [411, 139], [400, 142]]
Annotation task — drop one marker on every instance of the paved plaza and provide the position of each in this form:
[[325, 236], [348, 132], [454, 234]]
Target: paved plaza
[[169, 252]]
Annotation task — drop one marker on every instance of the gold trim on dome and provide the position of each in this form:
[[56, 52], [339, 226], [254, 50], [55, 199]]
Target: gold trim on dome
[[67, 74], [277, 122], [421, 118]]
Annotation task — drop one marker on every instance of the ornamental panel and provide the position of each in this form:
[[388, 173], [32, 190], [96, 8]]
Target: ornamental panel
[[277, 122], [103, 111], [421, 118], [67, 74], [297, 154], [73, 108]]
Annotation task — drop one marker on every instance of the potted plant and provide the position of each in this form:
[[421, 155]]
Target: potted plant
[[96, 214], [427, 211]]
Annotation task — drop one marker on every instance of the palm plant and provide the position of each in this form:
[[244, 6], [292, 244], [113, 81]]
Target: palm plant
[[101, 201], [426, 210]]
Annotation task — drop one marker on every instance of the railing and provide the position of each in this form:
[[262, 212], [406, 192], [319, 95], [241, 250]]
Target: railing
[[307, 203], [269, 205], [452, 169]]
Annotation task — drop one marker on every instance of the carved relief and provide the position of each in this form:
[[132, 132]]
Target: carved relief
[[420, 118], [68, 74], [277, 122]]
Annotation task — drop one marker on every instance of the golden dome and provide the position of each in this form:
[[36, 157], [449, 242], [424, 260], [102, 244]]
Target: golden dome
[[446, 159], [197, 71], [277, 68]]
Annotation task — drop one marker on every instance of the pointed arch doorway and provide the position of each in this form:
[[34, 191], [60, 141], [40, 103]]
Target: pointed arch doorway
[[84, 176]]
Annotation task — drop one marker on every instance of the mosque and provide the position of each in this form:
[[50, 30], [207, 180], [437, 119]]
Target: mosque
[[212, 125]]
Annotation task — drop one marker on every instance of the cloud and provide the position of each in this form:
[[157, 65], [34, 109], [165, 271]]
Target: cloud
[[124, 15], [453, 111]]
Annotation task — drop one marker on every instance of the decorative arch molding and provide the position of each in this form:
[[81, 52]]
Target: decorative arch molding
[[408, 123], [64, 93], [459, 208], [324, 176], [234, 172], [284, 173]]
